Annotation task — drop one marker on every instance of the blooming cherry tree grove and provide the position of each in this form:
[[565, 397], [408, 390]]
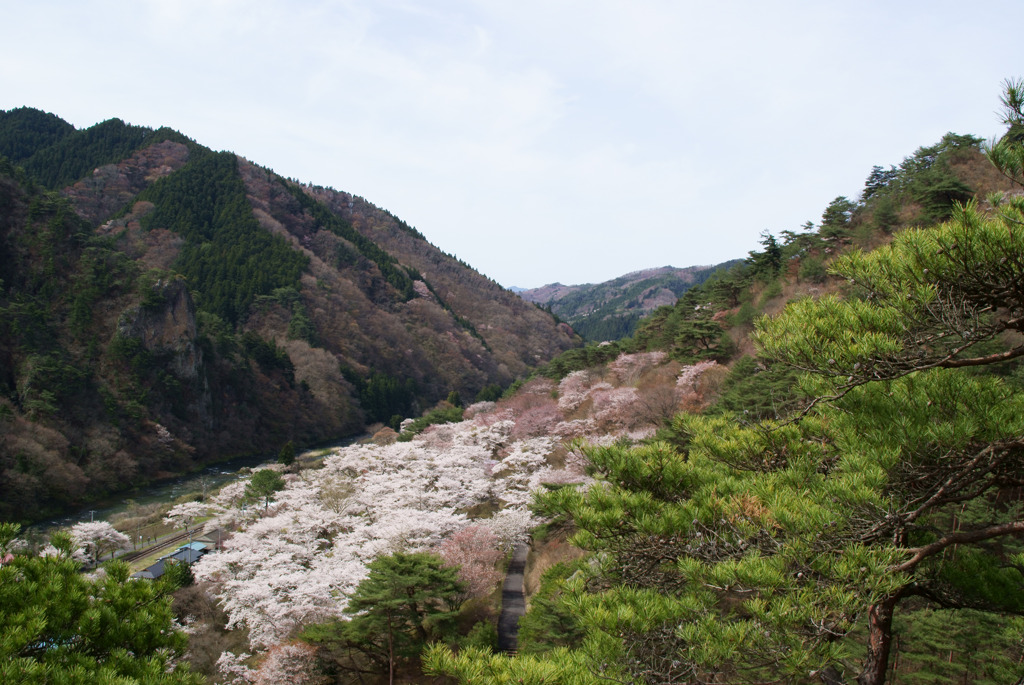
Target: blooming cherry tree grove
[[298, 562]]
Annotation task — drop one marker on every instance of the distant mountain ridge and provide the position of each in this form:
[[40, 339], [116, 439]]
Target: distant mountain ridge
[[612, 309], [163, 305]]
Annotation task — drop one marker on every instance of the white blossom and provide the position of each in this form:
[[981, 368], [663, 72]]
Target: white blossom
[[297, 563], [94, 538]]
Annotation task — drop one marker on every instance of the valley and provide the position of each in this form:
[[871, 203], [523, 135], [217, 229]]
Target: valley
[[175, 307], [803, 465]]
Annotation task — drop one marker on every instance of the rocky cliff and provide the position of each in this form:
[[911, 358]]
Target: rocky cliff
[[163, 306]]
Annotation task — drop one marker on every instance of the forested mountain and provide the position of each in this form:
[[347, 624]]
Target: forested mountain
[[611, 310], [164, 305], [838, 496], [713, 319], [807, 470]]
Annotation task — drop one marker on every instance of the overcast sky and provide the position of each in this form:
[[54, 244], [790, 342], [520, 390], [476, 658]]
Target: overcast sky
[[539, 141]]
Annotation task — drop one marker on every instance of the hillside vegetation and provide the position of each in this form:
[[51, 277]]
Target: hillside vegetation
[[697, 515], [845, 505], [164, 305], [807, 470], [611, 310]]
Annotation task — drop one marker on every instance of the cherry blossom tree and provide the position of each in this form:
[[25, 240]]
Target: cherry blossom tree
[[475, 551], [184, 515], [233, 670], [537, 420], [231, 495], [575, 428], [615, 408], [512, 525], [95, 538], [574, 389], [477, 409], [689, 384], [524, 458], [630, 367], [292, 662]]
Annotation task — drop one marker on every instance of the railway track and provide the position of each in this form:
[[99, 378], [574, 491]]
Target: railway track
[[162, 544]]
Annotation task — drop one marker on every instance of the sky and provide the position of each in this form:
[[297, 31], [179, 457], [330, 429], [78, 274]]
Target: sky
[[539, 141]]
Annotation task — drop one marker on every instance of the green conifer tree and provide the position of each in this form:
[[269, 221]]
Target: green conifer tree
[[287, 454], [405, 601], [61, 626], [782, 551], [263, 484]]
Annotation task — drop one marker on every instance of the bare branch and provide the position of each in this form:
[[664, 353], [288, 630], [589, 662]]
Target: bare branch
[[962, 537], [982, 361]]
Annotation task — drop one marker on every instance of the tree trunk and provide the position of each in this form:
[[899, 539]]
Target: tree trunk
[[876, 663], [391, 652]]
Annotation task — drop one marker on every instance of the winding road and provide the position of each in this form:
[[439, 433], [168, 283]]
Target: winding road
[[513, 602]]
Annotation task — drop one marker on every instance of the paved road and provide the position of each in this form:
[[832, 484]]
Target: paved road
[[513, 603]]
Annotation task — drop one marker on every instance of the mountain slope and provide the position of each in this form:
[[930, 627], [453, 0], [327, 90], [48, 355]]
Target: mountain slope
[[516, 334], [878, 398], [611, 310], [169, 305]]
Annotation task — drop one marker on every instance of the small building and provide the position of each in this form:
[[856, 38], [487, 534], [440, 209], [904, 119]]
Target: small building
[[214, 538], [151, 572], [197, 545], [186, 554]]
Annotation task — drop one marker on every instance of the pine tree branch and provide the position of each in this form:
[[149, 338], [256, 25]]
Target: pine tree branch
[[993, 454], [949, 361], [963, 537]]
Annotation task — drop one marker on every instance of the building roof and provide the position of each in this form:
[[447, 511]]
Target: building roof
[[151, 572], [197, 545], [187, 555]]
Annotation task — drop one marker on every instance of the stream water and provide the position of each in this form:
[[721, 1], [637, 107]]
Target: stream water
[[167, 490]]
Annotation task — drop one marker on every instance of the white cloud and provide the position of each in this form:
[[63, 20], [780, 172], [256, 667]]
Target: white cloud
[[539, 141]]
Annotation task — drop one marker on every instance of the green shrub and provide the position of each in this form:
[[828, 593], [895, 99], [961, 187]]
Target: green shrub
[[446, 414], [483, 635], [812, 269]]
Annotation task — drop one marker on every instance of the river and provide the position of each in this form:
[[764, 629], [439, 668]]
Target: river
[[207, 479]]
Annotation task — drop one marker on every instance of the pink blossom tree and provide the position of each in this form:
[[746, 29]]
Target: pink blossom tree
[[689, 385], [616, 408], [233, 669], [574, 390], [536, 421], [512, 526], [628, 368], [292, 663], [475, 551]]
